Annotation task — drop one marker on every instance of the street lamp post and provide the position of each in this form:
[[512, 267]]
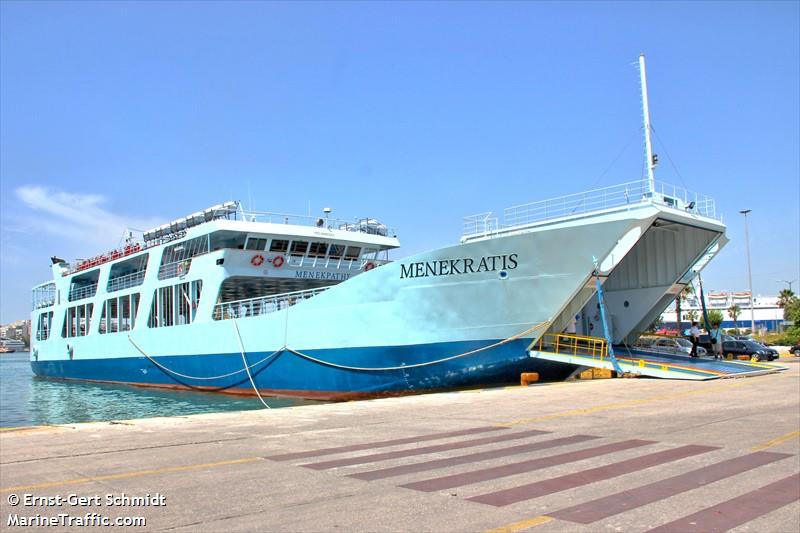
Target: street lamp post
[[789, 283], [749, 272]]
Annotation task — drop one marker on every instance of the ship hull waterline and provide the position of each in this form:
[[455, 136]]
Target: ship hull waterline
[[498, 365]]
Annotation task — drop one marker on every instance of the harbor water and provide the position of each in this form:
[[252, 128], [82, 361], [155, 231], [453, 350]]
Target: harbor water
[[29, 401]]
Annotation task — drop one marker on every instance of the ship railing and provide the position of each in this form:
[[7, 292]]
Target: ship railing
[[625, 194], [262, 305], [174, 269], [301, 261], [44, 303], [362, 225], [480, 224], [565, 343], [43, 296], [79, 293], [124, 282]]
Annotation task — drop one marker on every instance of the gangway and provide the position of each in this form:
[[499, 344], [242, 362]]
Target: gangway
[[593, 352]]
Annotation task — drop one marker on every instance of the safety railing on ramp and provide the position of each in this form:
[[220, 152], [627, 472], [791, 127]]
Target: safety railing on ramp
[[592, 352], [566, 343]]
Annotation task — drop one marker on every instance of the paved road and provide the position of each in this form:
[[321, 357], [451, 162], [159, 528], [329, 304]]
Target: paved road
[[621, 455]]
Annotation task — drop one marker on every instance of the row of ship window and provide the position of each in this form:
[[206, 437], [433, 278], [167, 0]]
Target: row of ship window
[[312, 249], [173, 305], [176, 254]]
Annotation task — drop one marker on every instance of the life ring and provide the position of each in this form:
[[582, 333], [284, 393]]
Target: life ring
[[369, 266], [180, 268], [257, 260], [277, 262]]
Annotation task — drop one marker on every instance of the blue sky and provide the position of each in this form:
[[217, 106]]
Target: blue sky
[[115, 114]]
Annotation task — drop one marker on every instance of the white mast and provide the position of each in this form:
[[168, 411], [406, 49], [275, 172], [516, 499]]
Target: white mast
[[651, 163]]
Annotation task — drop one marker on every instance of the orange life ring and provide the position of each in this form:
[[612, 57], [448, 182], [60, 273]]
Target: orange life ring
[[277, 262], [369, 266], [257, 260]]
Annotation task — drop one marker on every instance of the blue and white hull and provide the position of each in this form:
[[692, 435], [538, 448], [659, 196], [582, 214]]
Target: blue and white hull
[[453, 317], [287, 374]]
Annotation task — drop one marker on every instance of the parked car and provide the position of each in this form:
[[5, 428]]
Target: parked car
[[750, 348], [676, 346], [795, 349]]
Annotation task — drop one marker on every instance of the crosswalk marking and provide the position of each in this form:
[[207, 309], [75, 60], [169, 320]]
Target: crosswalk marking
[[594, 510], [739, 510], [382, 444], [423, 450], [720, 517], [467, 478], [585, 477], [471, 458]]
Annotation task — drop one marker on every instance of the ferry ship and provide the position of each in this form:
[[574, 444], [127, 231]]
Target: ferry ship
[[247, 302], [11, 345]]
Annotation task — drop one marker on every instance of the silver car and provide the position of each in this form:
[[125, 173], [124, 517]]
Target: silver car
[[676, 346]]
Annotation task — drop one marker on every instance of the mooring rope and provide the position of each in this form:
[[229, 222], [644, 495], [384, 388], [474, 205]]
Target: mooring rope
[[184, 376], [417, 365], [244, 360], [328, 363]]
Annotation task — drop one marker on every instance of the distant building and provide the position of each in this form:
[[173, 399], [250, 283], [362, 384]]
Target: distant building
[[768, 316], [19, 330]]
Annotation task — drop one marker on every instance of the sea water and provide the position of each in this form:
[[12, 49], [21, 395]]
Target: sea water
[[26, 400]]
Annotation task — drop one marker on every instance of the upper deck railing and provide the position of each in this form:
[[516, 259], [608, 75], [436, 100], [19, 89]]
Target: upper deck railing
[[262, 305], [125, 281], [43, 296], [86, 291], [361, 225], [626, 194]]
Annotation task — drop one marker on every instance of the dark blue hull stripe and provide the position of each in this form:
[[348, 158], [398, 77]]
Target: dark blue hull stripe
[[291, 375]]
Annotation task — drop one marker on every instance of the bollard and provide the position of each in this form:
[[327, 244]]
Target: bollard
[[527, 378]]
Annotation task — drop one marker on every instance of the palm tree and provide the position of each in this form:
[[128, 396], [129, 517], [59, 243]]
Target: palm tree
[[715, 318], [735, 311], [784, 297], [683, 295]]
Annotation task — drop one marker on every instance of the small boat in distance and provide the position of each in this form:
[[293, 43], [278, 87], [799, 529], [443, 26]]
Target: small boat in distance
[[236, 301]]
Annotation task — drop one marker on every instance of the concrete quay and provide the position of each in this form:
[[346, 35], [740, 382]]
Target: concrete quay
[[603, 455]]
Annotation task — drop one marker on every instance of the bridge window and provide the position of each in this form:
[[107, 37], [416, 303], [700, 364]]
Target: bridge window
[[318, 249], [299, 247], [353, 253], [255, 244], [278, 245], [336, 251]]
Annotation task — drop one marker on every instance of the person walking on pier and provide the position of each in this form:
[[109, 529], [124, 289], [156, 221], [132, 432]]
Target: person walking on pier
[[695, 334]]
